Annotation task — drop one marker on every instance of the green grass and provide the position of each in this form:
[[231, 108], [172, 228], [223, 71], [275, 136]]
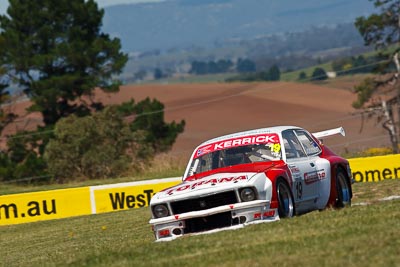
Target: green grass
[[293, 76], [163, 166], [361, 235], [11, 188]]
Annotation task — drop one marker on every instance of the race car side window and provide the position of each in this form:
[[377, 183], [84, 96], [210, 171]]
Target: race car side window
[[201, 164], [293, 148], [308, 143]]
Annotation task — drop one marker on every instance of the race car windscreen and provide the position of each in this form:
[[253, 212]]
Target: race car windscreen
[[235, 156]]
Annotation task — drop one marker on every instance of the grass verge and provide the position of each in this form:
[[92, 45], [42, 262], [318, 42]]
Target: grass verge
[[163, 166], [361, 235]]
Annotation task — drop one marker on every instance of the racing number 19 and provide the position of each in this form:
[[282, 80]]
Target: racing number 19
[[299, 189], [275, 148]]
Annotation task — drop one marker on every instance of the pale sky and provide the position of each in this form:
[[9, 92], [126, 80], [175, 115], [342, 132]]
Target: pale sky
[[102, 3]]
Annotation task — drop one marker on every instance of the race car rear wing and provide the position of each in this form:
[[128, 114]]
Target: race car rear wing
[[330, 132]]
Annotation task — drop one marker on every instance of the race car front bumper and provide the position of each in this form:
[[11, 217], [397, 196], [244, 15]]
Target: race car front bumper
[[218, 218]]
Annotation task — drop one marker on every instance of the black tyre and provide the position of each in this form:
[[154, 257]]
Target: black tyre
[[343, 192], [285, 199]]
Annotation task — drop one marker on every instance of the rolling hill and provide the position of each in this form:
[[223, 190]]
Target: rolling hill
[[183, 23]]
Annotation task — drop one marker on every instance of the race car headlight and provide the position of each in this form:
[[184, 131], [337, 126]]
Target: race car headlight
[[247, 194], [160, 211]]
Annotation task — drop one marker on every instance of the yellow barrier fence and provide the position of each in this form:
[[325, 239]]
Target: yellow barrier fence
[[63, 203], [45, 205], [375, 169], [106, 198]]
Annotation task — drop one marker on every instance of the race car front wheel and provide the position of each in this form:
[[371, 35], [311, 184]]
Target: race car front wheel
[[343, 198], [285, 199]]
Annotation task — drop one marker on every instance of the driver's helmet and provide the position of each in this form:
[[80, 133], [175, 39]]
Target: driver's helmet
[[236, 155]]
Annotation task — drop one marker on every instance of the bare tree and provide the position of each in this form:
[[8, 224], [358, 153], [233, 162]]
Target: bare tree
[[380, 96]]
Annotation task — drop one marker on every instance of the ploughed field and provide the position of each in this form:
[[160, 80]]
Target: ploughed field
[[214, 109]]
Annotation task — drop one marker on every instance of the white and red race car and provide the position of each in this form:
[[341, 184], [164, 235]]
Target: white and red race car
[[250, 177]]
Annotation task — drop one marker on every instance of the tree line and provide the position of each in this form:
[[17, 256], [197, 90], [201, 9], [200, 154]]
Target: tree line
[[222, 66], [272, 74]]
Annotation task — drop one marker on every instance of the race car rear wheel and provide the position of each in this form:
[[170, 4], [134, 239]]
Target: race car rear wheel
[[343, 197], [285, 199]]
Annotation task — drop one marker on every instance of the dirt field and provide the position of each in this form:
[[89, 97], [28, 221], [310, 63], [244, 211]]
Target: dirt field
[[215, 109]]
